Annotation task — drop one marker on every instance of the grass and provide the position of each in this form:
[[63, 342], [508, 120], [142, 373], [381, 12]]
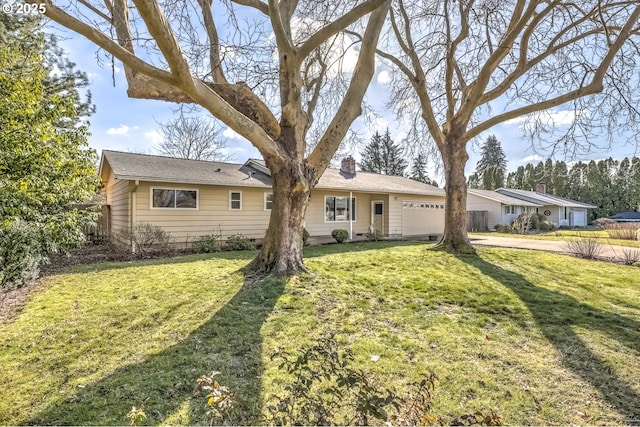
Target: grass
[[601, 236], [540, 338]]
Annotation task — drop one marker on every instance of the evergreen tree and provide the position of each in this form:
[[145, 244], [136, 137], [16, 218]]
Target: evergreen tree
[[516, 179], [384, 156], [372, 156], [46, 165], [493, 178], [474, 181], [419, 170], [492, 156]]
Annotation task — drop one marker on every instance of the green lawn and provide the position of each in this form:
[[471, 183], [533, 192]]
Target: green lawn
[[537, 337], [601, 236]]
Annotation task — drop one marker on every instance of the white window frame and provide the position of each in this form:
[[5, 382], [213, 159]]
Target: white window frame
[[354, 201], [509, 210], [231, 200], [163, 208], [266, 194]]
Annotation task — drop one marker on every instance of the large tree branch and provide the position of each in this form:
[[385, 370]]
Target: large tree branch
[[215, 62], [418, 78], [594, 87], [281, 32], [477, 88], [162, 33], [256, 4], [338, 25], [351, 106]]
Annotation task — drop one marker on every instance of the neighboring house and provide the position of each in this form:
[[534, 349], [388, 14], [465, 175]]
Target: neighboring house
[[626, 217], [558, 210], [486, 209], [192, 198]]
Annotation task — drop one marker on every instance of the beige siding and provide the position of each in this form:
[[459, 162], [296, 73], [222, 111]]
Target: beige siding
[[212, 215], [410, 221], [118, 198], [555, 213], [495, 209], [316, 224]]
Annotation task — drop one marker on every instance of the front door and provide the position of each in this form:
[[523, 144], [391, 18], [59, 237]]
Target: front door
[[377, 217]]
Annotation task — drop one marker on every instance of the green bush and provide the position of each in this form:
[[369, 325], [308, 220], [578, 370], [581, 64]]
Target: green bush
[[541, 223], [340, 235], [503, 228], [239, 242], [146, 238], [207, 244], [305, 236], [21, 253]]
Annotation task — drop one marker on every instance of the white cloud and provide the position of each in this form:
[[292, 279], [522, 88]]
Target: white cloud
[[116, 69], [231, 134], [122, 130], [384, 77], [531, 158], [154, 136]]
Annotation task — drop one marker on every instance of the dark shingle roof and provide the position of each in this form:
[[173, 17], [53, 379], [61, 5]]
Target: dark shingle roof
[[144, 167], [543, 198], [506, 200]]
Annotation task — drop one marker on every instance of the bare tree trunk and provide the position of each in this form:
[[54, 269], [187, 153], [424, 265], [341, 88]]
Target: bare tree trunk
[[455, 238], [281, 253]]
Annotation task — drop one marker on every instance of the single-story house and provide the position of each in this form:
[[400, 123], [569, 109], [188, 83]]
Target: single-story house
[[191, 198], [626, 217], [492, 208], [560, 211]]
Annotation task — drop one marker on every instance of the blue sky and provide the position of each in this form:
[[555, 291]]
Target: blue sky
[[125, 124]]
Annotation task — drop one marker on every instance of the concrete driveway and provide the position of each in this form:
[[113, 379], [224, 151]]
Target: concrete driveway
[[609, 252]]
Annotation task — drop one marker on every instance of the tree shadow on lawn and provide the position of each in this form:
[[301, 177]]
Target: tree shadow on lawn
[[556, 314], [229, 342]]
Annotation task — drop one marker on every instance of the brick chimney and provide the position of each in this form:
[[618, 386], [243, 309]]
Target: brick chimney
[[348, 165], [541, 187]]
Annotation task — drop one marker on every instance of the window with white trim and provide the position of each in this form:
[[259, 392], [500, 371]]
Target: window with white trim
[[173, 198], [235, 200], [336, 209], [268, 201], [509, 210]]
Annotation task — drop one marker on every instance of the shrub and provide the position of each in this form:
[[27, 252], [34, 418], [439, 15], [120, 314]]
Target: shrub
[[630, 256], [239, 242], [586, 247], [21, 253], [540, 222], [623, 231], [603, 223], [207, 244], [146, 238], [522, 224], [340, 235], [503, 228], [374, 235], [305, 236]]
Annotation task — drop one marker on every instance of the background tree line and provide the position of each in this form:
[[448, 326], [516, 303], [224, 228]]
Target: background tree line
[[612, 185]]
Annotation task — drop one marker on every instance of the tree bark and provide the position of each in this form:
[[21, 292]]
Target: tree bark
[[281, 253], [454, 155]]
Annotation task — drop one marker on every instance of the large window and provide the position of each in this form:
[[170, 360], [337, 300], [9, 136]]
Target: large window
[[337, 209], [235, 200], [268, 201], [509, 210], [172, 198]]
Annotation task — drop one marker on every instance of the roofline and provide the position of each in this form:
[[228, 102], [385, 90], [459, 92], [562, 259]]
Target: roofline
[[262, 185], [567, 202], [502, 202]]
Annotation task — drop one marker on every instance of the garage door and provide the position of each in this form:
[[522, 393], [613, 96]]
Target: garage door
[[422, 218]]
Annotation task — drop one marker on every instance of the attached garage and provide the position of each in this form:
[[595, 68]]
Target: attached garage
[[420, 218]]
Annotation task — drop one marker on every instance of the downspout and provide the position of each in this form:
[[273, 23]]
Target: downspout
[[350, 215], [134, 200]]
